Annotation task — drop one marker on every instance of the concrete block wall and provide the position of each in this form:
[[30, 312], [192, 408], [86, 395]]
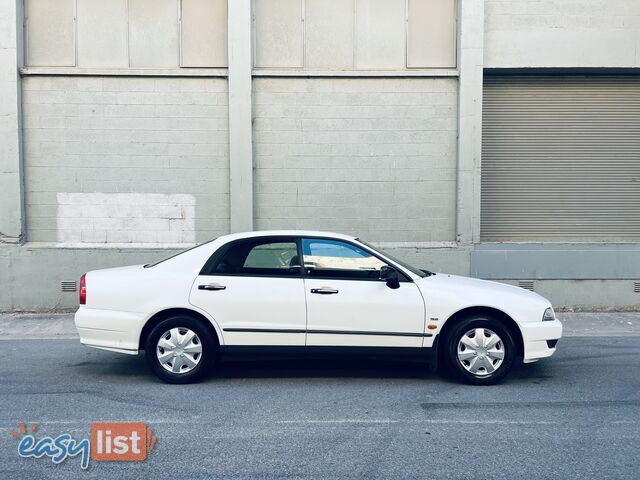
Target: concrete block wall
[[100, 137], [375, 157], [562, 33]]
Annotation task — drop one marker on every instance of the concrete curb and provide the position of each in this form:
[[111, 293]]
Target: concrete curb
[[60, 325]]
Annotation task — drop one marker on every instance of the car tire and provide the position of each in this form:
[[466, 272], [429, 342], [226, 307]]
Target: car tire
[[479, 350], [180, 349]]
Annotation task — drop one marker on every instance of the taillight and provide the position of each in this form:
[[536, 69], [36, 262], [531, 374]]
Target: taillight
[[83, 290]]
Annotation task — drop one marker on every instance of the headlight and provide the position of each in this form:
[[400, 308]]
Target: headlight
[[548, 315]]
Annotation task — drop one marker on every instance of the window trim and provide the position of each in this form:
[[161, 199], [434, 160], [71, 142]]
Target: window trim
[[215, 256]]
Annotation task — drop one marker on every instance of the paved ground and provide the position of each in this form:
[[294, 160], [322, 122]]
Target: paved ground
[[576, 415]]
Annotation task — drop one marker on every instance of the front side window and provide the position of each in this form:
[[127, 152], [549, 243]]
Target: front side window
[[260, 257], [336, 259]]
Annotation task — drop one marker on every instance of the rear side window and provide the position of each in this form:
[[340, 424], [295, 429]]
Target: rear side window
[[259, 258], [150, 265]]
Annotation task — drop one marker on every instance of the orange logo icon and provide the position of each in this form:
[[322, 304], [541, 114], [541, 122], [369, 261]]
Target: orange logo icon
[[121, 441]]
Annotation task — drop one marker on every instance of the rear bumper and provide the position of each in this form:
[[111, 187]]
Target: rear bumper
[[535, 336], [109, 329]]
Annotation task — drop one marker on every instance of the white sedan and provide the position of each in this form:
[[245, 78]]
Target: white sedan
[[299, 293]]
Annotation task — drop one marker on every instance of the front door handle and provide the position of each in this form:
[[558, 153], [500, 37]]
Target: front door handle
[[324, 291], [212, 286]]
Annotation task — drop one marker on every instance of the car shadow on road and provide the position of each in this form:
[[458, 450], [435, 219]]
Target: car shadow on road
[[331, 368], [116, 365], [366, 368], [135, 368]]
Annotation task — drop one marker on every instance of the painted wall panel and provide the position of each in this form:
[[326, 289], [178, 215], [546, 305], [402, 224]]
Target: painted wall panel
[[50, 33], [278, 33], [380, 34], [329, 34], [102, 33], [153, 33], [203, 33], [431, 34], [561, 33]]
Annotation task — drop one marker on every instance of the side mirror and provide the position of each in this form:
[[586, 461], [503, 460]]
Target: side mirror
[[390, 275]]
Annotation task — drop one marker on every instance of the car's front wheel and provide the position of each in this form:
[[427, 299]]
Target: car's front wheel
[[480, 350], [180, 349]]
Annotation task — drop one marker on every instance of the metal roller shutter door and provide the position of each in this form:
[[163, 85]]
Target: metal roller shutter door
[[561, 159]]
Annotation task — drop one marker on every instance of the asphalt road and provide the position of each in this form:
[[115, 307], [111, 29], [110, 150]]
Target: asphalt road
[[576, 415]]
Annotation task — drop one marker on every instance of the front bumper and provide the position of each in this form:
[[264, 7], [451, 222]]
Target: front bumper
[[535, 336], [109, 329]]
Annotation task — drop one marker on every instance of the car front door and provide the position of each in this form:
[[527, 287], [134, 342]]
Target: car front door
[[253, 289], [348, 304]]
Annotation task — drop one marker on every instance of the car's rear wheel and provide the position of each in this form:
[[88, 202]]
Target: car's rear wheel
[[180, 349], [479, 350]]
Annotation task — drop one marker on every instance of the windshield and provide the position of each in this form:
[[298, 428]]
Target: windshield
[[412, 269]]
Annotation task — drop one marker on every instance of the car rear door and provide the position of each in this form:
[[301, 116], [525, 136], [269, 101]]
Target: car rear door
[[347, 303], [253, 289]]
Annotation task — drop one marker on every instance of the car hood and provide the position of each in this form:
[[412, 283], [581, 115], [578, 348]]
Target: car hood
[[462, 292], [445, 280]]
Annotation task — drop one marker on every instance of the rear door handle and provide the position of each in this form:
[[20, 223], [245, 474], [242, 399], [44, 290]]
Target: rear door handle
[[212, 286], [324, 291]]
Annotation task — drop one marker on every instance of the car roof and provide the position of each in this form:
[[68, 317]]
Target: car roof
[[285, 233]]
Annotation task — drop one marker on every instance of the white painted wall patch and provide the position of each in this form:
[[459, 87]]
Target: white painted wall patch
[[124, 218]]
